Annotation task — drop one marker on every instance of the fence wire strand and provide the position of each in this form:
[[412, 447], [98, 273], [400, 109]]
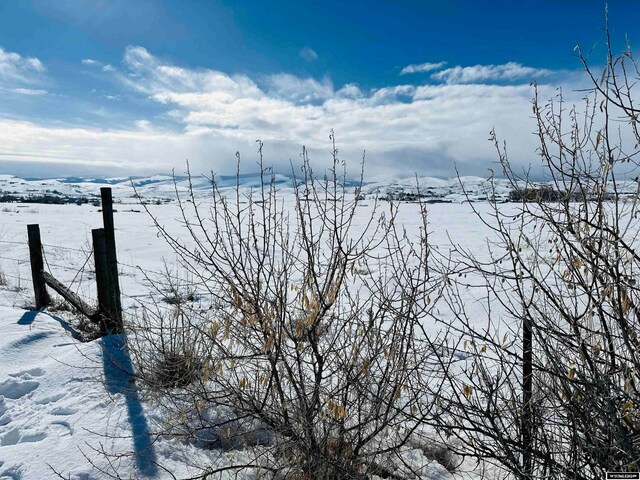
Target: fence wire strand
[[152, 282], [70, 249], [10, 242], [79, 271]]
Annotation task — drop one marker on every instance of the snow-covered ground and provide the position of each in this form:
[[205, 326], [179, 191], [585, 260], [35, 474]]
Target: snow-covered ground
[[62, 401]]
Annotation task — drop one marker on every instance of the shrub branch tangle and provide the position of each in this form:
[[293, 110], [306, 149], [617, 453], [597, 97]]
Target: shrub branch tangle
[[565, 272], [315, 333]]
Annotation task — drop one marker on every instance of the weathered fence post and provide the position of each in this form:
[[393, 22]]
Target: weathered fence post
[[111, 258], [105, 308], [37, 266]]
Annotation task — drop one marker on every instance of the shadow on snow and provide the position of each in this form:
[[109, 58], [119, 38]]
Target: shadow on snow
[[118, 377]]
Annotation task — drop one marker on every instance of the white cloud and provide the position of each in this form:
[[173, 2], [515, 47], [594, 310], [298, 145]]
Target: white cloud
[[95, 63], [16, 69], [29, 91], [392, 94], [298, 89], [149, 75], [143, 125], [422, 67], [139, 149], [350, 90], [404, 128], [482, 73], [309, 54]]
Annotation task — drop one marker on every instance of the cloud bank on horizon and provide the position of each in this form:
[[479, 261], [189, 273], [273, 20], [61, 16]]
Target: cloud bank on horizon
[[403, 127], [146, 113]]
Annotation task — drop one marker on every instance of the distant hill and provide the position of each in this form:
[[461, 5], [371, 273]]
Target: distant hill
[[161, 188]]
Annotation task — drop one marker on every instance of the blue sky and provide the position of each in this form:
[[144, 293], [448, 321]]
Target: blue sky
[[139, 86]]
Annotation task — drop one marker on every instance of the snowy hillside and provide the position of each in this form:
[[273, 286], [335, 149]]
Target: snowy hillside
[[162, 187]]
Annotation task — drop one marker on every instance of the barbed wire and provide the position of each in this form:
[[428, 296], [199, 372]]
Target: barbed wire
[[9, 275], [64, 267], [48, 245], [11, 242], [78, 272], [81, 271], [70, 249], [12, 259], [147, 278], [142, 270], [137, 296], [145, 272]]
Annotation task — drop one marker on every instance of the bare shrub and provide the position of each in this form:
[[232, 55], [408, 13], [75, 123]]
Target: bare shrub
[[168, 349], [314, 332], [550, 388], [174, 289]]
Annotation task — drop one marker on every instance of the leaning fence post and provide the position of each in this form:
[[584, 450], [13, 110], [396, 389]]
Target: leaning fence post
[[37, 266], [112, 260]]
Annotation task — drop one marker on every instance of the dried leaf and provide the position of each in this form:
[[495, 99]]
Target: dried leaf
[[625, 303], [468, 390], [576, 262], [628, 385], [597, 349], [365, 365]]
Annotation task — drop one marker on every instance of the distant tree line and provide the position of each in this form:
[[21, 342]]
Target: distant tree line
[[546, 193], [44, 199]]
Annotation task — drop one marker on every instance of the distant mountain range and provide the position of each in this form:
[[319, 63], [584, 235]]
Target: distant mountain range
[[162, 188]]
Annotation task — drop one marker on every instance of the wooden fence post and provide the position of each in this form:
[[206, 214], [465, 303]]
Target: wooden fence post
[[112, 260], [105, 308], [37, 266]]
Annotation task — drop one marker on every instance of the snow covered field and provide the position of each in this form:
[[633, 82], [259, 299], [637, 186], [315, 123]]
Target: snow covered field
[[61, 400]]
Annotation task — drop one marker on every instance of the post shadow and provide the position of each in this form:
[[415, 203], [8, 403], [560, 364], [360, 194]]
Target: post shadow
[[28, 317], [118, 370]]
